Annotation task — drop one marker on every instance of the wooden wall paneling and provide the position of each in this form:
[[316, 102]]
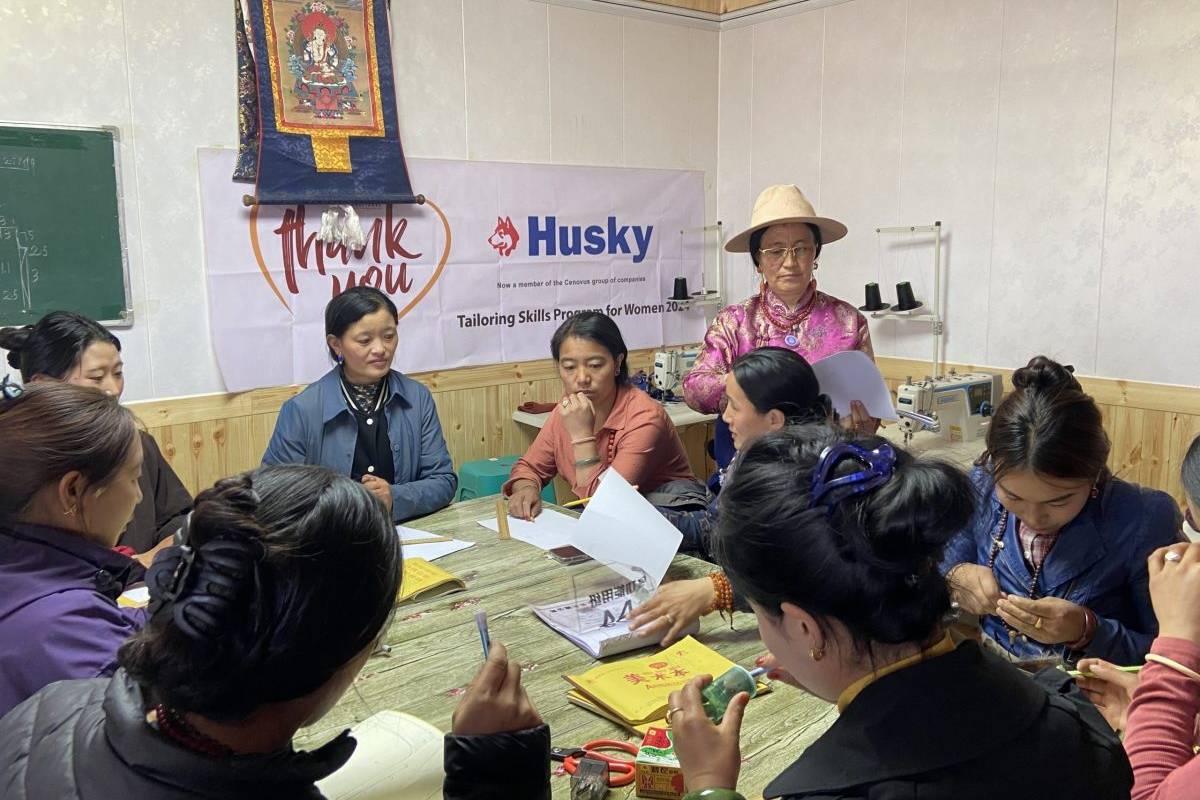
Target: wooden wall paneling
[[176, 449], [211, 436], [1154, 454], [261, 428], [1184, 428], [207, 441], [240, 450], [1126, 433]]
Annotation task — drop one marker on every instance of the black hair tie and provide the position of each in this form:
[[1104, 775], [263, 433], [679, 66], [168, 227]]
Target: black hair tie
[[205, 587]]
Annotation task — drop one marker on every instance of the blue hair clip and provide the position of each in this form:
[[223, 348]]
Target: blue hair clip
[[878, 467], [10, 390]]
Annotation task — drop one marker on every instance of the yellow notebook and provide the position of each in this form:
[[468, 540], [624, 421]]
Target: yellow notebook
[[422, 579], [636, 689], [576, 698]]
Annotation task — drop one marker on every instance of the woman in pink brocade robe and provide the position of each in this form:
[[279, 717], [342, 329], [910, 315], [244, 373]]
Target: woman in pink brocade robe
[[784, 239]]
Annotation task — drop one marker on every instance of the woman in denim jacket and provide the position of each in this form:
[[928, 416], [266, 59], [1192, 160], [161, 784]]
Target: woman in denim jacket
[[1054, 560], [364, 419]]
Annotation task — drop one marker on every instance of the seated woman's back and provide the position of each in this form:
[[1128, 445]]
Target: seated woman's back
[[835, 540], [259, 623]]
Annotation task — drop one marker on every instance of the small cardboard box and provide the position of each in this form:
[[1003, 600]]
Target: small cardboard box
[[656, 767]]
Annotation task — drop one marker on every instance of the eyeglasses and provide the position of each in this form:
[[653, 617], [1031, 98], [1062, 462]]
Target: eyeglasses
[[777, 255]]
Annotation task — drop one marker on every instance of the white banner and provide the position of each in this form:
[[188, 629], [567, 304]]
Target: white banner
[[483, 273]]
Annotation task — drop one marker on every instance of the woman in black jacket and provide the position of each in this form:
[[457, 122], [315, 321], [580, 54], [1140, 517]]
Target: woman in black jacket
[[836, 540], [259, 622], [69, 347]]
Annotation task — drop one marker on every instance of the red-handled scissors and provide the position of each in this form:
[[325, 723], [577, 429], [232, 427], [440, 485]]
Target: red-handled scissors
[[620, 770]]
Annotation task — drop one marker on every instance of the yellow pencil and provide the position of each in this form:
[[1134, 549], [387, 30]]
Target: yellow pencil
[[581, 501]]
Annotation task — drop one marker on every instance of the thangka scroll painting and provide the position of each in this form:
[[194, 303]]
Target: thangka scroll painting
[[326, 103]]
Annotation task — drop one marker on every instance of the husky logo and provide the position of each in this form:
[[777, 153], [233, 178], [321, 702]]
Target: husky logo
[[504, 239]]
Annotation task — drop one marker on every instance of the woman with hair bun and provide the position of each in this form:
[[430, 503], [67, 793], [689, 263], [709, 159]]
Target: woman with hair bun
[[835, 540], [69, 347], [284, 584], [1054, 560], [766, 389]]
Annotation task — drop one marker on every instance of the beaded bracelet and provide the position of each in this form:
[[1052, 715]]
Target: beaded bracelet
[[1173, 664], [722, 593]]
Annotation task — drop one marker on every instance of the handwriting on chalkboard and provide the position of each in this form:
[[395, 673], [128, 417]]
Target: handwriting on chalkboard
[[17, 275], [19, 163]]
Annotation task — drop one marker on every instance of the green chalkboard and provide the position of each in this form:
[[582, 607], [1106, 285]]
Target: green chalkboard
[[61, 237]]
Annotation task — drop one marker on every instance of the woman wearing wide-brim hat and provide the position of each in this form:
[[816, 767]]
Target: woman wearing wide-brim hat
[[784, 239]]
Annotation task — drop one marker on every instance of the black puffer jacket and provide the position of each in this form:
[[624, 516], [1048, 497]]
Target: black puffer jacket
[[88, 740]]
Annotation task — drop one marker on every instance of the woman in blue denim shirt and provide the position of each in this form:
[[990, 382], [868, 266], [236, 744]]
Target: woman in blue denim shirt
[[1054, 561], [364, 419]]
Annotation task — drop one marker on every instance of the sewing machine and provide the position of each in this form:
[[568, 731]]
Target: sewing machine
[[670, 366], [959, 407]]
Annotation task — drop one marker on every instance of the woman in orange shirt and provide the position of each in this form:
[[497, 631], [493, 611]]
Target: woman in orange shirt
[[601, 422]]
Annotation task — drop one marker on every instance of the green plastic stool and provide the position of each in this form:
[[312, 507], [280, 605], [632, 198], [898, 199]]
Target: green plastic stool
[[487, 476]]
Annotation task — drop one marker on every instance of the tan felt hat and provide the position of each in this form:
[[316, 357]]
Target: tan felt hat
[[781, 204]]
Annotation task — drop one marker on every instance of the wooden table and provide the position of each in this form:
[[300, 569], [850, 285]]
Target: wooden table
[[436, 651]]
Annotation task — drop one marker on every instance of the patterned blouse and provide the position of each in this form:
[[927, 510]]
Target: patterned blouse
[[819, 326]]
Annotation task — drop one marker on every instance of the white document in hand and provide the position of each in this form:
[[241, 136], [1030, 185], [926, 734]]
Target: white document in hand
[[620, 528], [852, 375], [548, 529]]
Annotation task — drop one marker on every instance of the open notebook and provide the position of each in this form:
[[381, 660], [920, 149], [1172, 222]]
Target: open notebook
[[398, 757]]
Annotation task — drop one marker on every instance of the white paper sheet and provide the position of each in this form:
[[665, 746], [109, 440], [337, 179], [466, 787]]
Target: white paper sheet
[[852, 375], [620, 528], [434, 550], [135, 598], [398, 757], [408, 534], [548, 529]]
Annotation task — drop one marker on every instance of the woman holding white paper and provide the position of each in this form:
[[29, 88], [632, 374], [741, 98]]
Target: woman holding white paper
[[767, 389], [784, 241]]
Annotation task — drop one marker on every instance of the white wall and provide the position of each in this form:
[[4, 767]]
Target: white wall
[[1059, 143], [507, 80]]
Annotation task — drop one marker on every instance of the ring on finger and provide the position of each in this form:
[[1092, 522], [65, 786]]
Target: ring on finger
[[671, 712], [670, 619], [1174, 556], [1038, 625]]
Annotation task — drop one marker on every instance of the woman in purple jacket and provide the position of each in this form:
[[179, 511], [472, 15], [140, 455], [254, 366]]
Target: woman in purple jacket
[[68, 487], [281, 589]]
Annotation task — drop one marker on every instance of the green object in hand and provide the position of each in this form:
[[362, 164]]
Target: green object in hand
[[713, 794], [720, 692]]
